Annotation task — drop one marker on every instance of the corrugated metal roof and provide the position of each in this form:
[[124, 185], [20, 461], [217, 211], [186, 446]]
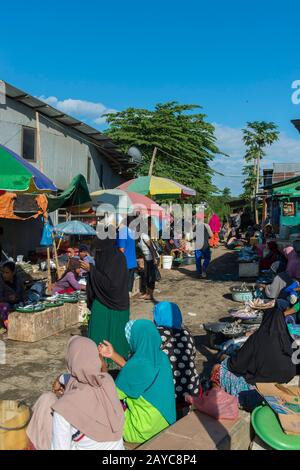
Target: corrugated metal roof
[[286, 167], [118, 160], [296, 123]]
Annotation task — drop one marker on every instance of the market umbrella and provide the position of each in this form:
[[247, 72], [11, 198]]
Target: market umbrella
[[126, 202], [74, 227], [157, 186], [17, 174]]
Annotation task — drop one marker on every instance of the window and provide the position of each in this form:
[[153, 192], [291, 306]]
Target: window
[[88, 172], [28, 143]]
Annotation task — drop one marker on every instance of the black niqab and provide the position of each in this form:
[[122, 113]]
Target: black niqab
[[267, 355], [108, 279]]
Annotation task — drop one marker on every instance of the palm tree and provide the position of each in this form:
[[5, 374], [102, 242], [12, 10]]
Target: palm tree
[[257, 136]]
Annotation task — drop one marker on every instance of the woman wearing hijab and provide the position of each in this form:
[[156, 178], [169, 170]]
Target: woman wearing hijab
[[69, 281], [279, 286], [145, 383], [265, 357], [89, 415], [107, 296], [215, 225], [293, 262], [12, 290], [178, 344]]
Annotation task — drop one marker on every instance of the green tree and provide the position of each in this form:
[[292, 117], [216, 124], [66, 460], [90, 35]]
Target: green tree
[[256, 136], [226, 194], [185, 142], [220, 203]]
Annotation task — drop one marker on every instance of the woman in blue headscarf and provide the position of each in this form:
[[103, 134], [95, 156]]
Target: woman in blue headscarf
[[178, 344], [145, 382]]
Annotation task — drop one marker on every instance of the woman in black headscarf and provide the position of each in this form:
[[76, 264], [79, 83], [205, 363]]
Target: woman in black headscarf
[[265, 357], [107, 296]]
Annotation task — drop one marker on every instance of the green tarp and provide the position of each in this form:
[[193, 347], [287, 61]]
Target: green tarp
[[291, 189], [76, 195]]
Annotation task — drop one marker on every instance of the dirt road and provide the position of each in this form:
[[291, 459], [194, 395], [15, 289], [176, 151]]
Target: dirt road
[[31, 368]]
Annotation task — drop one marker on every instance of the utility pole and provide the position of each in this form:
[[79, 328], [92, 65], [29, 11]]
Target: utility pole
[[152, 161]]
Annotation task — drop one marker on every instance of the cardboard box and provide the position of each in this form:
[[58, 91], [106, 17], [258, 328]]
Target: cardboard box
[[285, 401]]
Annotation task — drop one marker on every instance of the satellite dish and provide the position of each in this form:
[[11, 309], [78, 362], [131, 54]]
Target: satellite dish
[[135, 154]]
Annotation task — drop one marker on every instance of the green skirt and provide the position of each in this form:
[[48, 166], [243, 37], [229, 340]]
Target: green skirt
[[107, 324]]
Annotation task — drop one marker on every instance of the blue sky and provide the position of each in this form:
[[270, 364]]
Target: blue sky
[[238, 60]]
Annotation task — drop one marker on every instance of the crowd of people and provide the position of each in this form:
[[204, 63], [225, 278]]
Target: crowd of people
[[153, 362]]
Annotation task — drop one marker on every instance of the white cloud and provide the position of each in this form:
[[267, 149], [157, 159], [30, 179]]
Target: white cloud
[[86, 110], [229, 140]]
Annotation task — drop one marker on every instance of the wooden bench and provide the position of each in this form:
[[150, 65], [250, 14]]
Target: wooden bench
[[31, 327], [197, 431]]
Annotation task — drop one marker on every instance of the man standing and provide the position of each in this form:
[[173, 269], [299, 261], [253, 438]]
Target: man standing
[[202, 249], [126, 243]]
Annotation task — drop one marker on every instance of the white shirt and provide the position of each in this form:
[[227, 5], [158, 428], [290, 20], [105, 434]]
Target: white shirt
[[62, 433], [203, 234], [144, 247]]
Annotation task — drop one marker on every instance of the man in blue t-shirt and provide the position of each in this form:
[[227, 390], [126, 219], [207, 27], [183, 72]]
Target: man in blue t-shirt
[[126, 243]]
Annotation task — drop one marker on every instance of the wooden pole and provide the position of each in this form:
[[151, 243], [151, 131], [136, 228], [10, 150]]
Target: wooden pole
[[38, 142], [49, 280], [152, 161], [55, 256], [59, 243], [257, 188]]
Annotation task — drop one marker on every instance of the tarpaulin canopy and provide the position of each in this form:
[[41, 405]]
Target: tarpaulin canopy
[[17, 174], [76, 196], [289, 188], [22, 207]]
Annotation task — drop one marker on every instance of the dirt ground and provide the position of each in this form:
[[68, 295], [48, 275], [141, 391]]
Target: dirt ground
[[31, 367]]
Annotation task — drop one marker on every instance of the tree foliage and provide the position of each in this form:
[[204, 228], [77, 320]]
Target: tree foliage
[[185, 141], [220, 204], [256, 136]]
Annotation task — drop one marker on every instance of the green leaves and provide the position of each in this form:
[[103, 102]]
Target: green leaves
[[186, 142], [256, 136]]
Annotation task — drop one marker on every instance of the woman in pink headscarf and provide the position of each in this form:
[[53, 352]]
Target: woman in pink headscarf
[[85, 413], [293, 262], [215, 225]]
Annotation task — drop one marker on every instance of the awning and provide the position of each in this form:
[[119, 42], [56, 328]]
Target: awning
[[76, 196]]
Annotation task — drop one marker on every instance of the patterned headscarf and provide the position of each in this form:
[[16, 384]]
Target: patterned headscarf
[[128, 328]]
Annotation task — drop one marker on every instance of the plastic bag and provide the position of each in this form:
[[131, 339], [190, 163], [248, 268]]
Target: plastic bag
[[216, 403], [157, 274], [47, 239]]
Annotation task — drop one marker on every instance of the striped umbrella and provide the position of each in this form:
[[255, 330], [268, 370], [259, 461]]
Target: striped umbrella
[[16, 174], [126, 202], [156, 186]]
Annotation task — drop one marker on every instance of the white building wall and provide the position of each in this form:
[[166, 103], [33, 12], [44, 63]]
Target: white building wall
[[64, 151]]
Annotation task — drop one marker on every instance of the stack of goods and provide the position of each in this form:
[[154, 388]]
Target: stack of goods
[[247, 314], [285, 402], [247, 255], [57, 300]]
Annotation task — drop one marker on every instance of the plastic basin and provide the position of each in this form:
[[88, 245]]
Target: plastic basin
[[268, 428]]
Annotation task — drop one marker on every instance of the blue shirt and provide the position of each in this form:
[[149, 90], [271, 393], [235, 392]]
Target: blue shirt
[[126, 241]]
